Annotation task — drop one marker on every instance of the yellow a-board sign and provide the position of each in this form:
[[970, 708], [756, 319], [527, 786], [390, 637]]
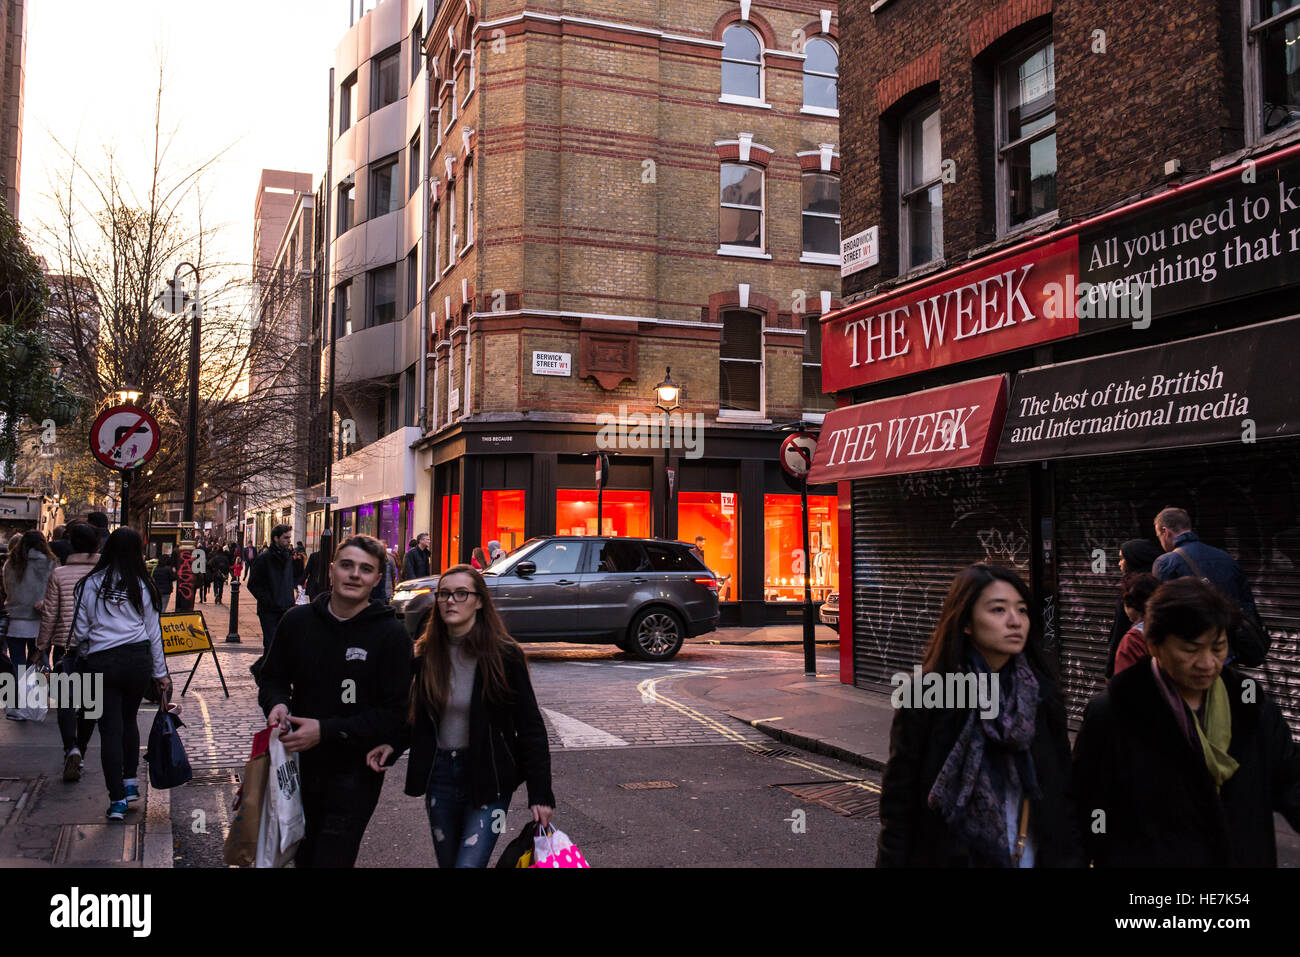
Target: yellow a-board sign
[[184, 633]]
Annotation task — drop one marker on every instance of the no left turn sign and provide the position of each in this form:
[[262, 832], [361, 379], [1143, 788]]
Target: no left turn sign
[[124, 437]]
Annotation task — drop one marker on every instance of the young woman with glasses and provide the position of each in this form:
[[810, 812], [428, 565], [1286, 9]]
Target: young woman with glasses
[[474, 729]]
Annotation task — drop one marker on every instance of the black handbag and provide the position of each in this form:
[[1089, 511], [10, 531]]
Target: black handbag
[[73, 661], [520, 846], [169, 766]]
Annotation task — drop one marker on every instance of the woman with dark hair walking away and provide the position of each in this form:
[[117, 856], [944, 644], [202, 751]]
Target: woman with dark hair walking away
[[26, 574], [1136, 556], [1186, 759], [474, 729], [980, 783], [164, 579], [118, 626]]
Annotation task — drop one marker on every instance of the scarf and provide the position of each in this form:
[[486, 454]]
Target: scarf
[[1215, 732], [990, 761]]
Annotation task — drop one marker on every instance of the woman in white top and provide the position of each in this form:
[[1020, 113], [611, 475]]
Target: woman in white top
[[25, 575], [119, 619]]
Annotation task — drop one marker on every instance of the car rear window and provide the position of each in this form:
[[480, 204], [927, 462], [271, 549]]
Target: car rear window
[[665, 558], [615, 556]]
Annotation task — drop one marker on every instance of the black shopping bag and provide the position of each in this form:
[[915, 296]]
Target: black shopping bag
[[168, 765], [521, 845]]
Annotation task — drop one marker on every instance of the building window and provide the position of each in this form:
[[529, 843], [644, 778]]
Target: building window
[[413, 165], [740, 218], [821, 214], [821, 75], [742, 63], [384, 86], [1026, 99], [715, 517], [347, 205], [921, 216], [625, 513], [814, 400], [503, 519], [348, 103], [413, 279], [469, 205], [417, 48], [437, 243], [448, 112], [450, 531], [740, 369], [383, 296], [343, 308], [1274, 45], [784, 563], [385, 191], [451, 223]]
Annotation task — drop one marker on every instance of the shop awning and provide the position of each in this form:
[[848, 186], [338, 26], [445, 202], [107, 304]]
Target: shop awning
[[944, 428], [1236, 386]]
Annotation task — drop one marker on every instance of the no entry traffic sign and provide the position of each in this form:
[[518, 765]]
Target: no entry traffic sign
[[124, 437]]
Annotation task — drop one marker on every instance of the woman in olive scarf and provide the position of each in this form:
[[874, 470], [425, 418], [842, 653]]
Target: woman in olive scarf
[[1181, 762]]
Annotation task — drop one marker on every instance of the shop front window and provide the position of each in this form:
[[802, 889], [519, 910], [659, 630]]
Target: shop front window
[[626, 514], [450, 530], [715, 518], [503, 519], [347, 523], [367, 521], [390, 522], [784, 563]]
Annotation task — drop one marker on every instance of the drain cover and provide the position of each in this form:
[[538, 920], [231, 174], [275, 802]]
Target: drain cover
[[773, 752], [97, 844], [202, 778], [647, 785], [855, 797]]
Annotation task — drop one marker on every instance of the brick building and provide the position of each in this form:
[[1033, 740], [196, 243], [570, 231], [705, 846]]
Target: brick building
[[622, 192], [13, 80], [1080, 307]]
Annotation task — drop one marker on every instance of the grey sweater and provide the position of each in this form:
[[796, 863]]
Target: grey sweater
[[22, 594], [453, 729]]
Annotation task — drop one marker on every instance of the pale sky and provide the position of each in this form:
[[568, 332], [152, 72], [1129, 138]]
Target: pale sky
[[253, 76]]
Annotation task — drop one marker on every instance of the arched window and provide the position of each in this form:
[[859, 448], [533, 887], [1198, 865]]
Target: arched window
[[740, 217], [742, 63], [821, 75]]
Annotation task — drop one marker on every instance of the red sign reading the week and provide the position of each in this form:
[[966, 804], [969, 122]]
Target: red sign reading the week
[[944, 428], [1004, 305]]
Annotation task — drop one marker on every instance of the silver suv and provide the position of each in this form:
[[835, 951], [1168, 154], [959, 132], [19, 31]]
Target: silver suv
[[645, 595]]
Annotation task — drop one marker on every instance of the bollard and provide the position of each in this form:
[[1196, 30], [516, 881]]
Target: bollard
[[233, 636]]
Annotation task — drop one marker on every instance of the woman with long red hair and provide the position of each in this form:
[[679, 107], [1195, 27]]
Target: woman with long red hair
[[474, 730]]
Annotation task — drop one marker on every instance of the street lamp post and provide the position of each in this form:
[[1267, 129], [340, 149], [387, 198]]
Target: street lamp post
[[668, 399], [175, 302]]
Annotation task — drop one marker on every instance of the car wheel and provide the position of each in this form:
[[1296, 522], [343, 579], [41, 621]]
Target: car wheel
[[656, 635]]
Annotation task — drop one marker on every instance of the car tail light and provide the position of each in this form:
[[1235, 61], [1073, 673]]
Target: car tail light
[[709, 583]]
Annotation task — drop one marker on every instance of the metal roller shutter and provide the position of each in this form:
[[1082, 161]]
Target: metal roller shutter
[[911, 535], [1242, 499]]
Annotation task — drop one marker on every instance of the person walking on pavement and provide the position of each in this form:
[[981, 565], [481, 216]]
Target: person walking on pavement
[[495, 552], [299, 564], [60, 545], [473, 728], [164, 579], [1185, 554], [340, 639], [384, 589], [119, 627], [1136, 556], [271, 583], [416, 564], [100, 522], [219, 569], [57, 614], [1133, 649], [316, 576], [26, 574], [1188, 759], [965, 787], [478, 559]]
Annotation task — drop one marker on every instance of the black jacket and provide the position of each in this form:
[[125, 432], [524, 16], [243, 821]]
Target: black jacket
[[164, 577], [1133, 762], [415, 564], [507, 742], [219, 566], [316, 574], [313, 657], [267, 581], [912, 834]]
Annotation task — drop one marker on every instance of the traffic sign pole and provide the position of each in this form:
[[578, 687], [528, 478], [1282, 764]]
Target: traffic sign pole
[[126, 497], [797, 454]]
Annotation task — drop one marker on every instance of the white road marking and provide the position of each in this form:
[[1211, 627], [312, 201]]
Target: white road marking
[[575, 734], [585, 664], [636, 667]]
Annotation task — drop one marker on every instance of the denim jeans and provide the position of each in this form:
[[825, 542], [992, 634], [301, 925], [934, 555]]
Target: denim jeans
[[75, 728], [463, 835], [127, 671]]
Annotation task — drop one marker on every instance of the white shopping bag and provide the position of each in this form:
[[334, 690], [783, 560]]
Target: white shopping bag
[[552, 848], [33, 702], [283, 824], [300, 596]]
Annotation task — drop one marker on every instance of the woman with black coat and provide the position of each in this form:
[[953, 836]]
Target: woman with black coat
[[474, 730], [1136, 557], [1181, 762], [981, 783]]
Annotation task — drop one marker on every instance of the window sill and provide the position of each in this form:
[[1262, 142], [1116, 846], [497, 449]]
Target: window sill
[[815, 418], [820, 259], [743, 101], [467, 96], [466, 249], [820, 111], [450, 267], [739, 252], [755, 418], [1031, 226]]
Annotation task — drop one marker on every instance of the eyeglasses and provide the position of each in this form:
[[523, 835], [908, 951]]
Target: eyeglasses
[[458, 596]]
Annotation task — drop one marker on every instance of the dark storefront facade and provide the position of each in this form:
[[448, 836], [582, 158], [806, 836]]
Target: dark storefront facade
[[512, 481], [1115, 408]]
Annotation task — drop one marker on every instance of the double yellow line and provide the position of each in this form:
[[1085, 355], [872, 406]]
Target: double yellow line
[[650, 692]]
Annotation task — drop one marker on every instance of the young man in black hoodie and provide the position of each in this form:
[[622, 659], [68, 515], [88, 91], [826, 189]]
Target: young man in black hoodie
[[339, 673]]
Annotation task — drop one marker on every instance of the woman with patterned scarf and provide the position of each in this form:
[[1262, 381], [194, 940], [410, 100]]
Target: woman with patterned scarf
[[1181, 762], [980, 778]]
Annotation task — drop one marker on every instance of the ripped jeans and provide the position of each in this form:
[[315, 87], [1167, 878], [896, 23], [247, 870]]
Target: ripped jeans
[[463, 836]]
